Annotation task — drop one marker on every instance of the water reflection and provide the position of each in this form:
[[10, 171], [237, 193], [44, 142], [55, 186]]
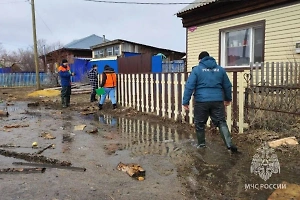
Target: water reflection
[[108, 120], [142, 137]]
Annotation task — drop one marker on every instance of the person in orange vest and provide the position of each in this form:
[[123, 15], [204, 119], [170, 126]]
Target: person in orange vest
[[109, 83], [65, 74]]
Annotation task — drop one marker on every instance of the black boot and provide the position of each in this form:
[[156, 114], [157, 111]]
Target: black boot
[[225, 134], [100, 106], [200, 133], [93, 97], [114, 106], [63, 102], [68, 101]]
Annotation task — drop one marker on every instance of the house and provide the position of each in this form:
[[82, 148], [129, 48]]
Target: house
[[239, 32], [76, 49], [111, 50]]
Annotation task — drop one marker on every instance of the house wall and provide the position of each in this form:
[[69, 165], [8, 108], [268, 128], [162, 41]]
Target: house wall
[[281, 34]]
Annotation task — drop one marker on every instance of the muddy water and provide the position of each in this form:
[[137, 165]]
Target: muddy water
[[175, 169]]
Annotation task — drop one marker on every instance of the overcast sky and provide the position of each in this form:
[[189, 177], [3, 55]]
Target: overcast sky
[[66, 20]]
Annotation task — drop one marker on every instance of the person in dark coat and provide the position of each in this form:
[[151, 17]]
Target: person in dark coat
[[212, 91], [65, 74], [93, 76]]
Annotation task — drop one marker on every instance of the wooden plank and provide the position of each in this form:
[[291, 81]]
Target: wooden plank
[[267, 73], [262, 74], [282, 73], [272, 74], [256, 74], [277, 74], [287, 82]]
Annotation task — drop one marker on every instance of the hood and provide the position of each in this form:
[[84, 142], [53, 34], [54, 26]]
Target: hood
[[209, 62]]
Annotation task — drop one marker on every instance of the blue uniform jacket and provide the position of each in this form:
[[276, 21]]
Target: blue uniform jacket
[[209, 82]]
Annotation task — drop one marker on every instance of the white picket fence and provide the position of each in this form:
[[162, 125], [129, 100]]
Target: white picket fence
[[162, 94]]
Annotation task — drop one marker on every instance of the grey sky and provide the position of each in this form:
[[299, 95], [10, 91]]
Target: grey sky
[[66, 20]]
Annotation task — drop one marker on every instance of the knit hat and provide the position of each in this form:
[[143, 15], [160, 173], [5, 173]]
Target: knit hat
[[203, 54], [64, 61]]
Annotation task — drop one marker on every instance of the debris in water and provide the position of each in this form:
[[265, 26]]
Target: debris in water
[[50, 166], [47, 135], [95, 130], [3, 113], [133, 170], [41, 151], [79, 127], [33, 157], [16, 126], [33, 104], [23, 170], [34, 145]]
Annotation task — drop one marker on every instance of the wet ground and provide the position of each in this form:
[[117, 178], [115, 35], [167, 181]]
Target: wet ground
[[175, 169]]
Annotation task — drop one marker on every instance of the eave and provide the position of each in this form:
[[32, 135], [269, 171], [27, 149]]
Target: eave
[[224, 10]]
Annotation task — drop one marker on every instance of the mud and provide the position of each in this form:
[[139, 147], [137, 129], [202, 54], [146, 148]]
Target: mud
[[175, 169]]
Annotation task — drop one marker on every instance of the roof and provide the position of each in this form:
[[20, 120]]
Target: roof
[[196, 4], [119, 41], [85, 43]]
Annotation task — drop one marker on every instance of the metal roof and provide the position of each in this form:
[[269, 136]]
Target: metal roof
[[85, 43], [196, 4]]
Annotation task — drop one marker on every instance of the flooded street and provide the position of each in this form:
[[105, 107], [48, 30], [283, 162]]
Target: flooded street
[[98, 142]]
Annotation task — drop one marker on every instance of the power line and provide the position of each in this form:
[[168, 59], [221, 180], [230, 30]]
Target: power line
[[143, 3]]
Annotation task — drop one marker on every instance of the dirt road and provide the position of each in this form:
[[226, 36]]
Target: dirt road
[[175, 169]]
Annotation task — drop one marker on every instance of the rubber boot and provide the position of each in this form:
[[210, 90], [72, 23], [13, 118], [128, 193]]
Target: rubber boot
[[225, 134], [93, 98], [68, 101], [114, 106], [63, 102], [200, 133], [100, 106]]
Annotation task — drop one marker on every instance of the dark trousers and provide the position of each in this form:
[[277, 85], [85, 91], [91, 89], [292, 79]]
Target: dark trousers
[[93, 95], [66, 95], [216, 111]]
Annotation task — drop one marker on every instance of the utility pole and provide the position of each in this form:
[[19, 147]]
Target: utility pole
[[37, 71]]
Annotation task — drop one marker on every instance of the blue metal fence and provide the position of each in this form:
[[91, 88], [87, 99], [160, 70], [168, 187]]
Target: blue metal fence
[[173, 66], [23, 79]]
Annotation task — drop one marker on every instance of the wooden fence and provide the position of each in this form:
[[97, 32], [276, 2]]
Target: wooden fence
[[162, 94]]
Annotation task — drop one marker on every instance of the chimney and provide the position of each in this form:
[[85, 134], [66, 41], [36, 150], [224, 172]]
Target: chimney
[[103, 38]]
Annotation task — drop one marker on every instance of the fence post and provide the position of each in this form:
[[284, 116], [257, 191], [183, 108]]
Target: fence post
[[241, 102], [157, 94], [183, 112], [147, 82], [134, 91], [176, 85], [142, 92], [138, 99], [163, 103], [129, 90], [152, 91], [169, 85]]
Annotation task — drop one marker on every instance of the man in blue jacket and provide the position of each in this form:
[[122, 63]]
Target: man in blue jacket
[[212, 91], [65, 78]]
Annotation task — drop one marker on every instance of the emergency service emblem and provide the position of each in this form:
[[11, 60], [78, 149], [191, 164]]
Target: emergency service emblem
[[265, 162]]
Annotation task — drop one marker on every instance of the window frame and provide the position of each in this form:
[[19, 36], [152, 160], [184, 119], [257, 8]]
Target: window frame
[[109, 50], [222, 42], [114, 50], [99, 53]]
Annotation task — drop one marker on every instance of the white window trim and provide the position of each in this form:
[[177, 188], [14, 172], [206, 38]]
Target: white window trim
[[223, 46]]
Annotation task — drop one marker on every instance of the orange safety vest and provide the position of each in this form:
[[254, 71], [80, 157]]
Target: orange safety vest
[[61, 68], [111, 80]]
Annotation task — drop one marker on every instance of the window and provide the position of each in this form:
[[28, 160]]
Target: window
[[242, 45], [99, 53], [116, 50], [109, 51]]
